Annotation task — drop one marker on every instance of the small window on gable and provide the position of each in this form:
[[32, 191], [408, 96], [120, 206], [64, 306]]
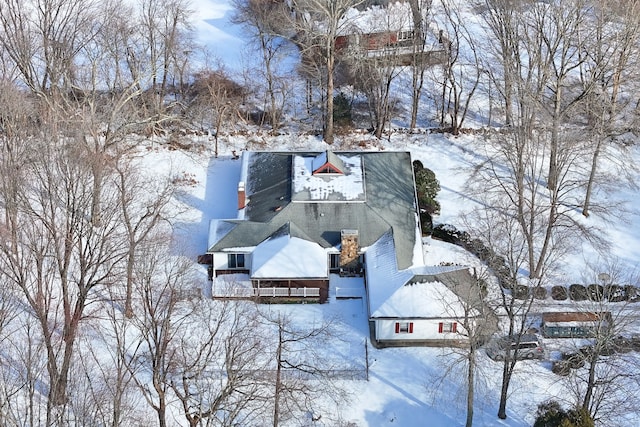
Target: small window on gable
[[235, 260], [326, 169], [404, 327], [447, 327]]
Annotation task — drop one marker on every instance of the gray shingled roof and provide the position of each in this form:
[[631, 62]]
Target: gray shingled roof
[[389, 204]]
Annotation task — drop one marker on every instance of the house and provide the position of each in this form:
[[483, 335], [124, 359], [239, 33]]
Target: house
[[387, 30], [302, 216], [426, 305], [305, 216]]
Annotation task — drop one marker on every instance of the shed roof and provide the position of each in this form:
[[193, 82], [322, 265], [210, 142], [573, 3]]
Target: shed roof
[[575, 316]]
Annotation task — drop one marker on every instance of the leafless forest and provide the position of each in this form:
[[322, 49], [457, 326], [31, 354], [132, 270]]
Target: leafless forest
[[93, 304]]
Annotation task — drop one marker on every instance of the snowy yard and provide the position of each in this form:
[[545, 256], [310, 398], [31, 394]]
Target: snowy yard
[[406, 386]]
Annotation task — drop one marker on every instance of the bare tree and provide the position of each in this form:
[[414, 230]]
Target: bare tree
[[144, 201], [319, 22], [54, 254], [302, 374], [462, 71], [504, 26], [374, 70], [505, 253], [610, 57], [106, 362], [23, 371], [421, 15], [158, 319], [264, 21], [22, 362], [556, 34], [43, 38], [163, 26], [9, 388], [220, 96], [599, 372], [518, 234], [374, 79], [218, 377], [476, 323]]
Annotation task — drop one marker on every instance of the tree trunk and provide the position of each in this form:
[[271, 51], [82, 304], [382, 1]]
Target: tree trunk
[[162, 410], [328, 130], [116, 415], [273, 109], [586, 403], [70, 330], [470, 385], [443, 109], [418, 66], [128, 306], [592, 175], [504, 390], [309, 95], [96, 207], [415, 103], [552, 182], [278, 385]]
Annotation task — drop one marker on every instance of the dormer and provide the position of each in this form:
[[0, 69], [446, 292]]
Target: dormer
[[327, 163]]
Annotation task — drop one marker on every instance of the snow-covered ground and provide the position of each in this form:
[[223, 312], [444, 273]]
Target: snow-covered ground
[[406, 386]]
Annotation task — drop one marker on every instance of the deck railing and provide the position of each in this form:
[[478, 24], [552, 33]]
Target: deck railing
[[237, 292]]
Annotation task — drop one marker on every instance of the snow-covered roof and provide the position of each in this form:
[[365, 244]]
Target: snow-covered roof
[[218, 228], [376, 19], [288, 257], [383, 276], [397, 293], [423, 299], [375, 194], [348, 186]]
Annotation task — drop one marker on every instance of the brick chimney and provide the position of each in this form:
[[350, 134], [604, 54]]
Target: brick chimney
[[242, 197], [349, 248]]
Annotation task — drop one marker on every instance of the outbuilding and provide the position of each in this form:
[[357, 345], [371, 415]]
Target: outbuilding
[[575, 324]]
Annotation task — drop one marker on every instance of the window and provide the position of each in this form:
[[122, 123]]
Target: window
[[235, 260], [405, 35], [444, 327], [334, 261], [404, 327], [524, 345], [326, 169]]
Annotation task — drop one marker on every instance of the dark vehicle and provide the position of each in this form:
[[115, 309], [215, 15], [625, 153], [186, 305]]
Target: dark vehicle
[[528, 346]]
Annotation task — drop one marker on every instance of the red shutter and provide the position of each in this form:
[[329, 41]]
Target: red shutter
[[397, 328], [455, 327], [440, 325], [411, 327]]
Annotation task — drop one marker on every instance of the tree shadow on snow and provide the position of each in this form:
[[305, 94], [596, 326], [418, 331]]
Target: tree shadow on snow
[[219, 202]]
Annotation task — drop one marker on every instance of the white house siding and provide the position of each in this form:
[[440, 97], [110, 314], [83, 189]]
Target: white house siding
[[423, 331], [220, 260]]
